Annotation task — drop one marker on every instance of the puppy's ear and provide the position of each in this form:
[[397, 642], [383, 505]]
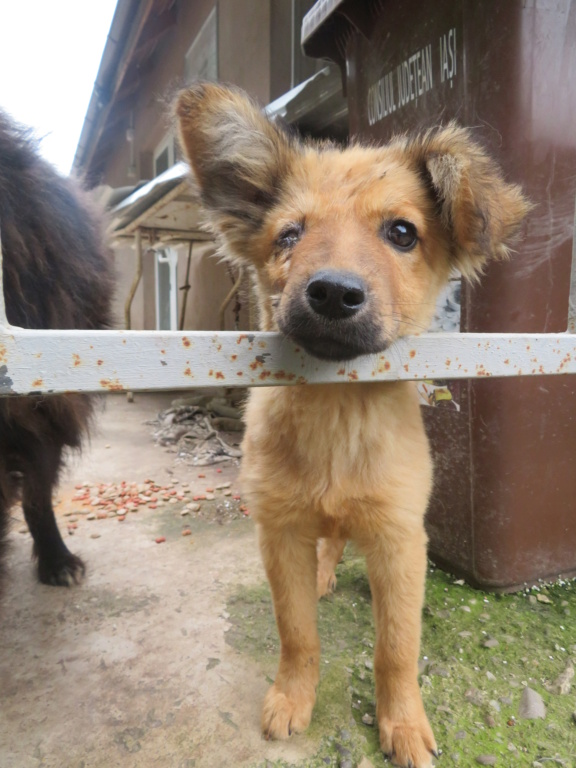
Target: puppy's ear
[[481, 212], [238, 157]]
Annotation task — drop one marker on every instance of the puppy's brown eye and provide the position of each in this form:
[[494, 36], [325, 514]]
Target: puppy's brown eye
[[290, 235], [402, 234]]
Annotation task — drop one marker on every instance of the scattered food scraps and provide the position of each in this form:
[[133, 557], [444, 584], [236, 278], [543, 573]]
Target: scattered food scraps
[[102, 501]]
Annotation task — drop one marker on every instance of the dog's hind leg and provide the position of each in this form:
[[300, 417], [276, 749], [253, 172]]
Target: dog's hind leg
[[290, 562], [396, 570], [329, 555], [56, 564]]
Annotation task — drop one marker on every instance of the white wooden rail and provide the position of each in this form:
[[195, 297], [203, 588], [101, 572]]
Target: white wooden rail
[[101, 361], [56, 361]]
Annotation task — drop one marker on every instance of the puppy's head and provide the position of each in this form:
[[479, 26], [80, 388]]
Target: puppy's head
[[349, 247]]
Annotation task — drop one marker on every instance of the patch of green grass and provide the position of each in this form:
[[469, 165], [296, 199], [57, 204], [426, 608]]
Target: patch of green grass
[[478, 653]]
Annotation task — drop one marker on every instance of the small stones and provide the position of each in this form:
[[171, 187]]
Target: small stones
[[532, 705], [423, 665], [491, 643], [543, 598], [486, 759], [563, 682], [367, 719], [474, 696], [438, 671]]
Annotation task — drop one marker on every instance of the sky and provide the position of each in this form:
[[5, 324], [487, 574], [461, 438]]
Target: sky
[[50, 51]]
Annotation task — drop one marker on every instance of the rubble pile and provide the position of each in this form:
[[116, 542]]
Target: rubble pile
[[204, 430]]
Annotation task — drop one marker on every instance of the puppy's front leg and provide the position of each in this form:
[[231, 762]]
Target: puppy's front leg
[[397, 569], [290, 563]]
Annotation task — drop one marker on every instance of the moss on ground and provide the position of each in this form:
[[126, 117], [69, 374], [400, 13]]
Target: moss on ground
[[479, 651]]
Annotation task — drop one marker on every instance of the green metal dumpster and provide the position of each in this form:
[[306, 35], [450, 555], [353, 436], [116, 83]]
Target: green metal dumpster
[[503, 512]]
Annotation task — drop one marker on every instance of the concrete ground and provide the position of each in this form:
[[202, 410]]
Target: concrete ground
[[132, 668]]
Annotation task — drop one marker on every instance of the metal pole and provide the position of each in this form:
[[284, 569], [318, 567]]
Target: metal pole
[[186, 287], [230, 296], [135, 281]]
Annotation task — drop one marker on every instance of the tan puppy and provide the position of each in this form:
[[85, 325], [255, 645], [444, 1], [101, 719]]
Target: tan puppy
[[349, 249]]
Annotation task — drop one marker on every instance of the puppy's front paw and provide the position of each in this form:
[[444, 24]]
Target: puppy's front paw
[[285, 714], [409, 745]]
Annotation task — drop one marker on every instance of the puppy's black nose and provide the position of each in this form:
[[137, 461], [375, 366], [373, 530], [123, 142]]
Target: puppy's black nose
[[336, 295]]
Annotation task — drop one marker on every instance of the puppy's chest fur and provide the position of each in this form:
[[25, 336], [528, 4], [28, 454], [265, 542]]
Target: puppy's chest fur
[[333, 448]]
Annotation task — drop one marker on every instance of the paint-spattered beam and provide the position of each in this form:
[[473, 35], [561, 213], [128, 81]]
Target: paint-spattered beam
[[101, 361]]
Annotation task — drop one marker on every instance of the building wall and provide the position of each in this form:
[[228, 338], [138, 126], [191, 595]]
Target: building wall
[[244, 59], [244, 46]]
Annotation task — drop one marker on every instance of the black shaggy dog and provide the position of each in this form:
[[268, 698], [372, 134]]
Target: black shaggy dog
[[57, 274]]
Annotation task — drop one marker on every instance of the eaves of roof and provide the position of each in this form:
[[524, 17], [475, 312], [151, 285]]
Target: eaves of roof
[[136, 27]]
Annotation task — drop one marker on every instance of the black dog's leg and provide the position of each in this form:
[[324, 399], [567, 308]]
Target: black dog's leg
[[6, 498], [56, 564]]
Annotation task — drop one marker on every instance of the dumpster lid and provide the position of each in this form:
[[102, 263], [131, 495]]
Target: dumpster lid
[[328, 25], [317, 106], [317, 15]]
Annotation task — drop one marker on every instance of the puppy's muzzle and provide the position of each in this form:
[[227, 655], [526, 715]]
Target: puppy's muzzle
[[332, 316], [336, 295]]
